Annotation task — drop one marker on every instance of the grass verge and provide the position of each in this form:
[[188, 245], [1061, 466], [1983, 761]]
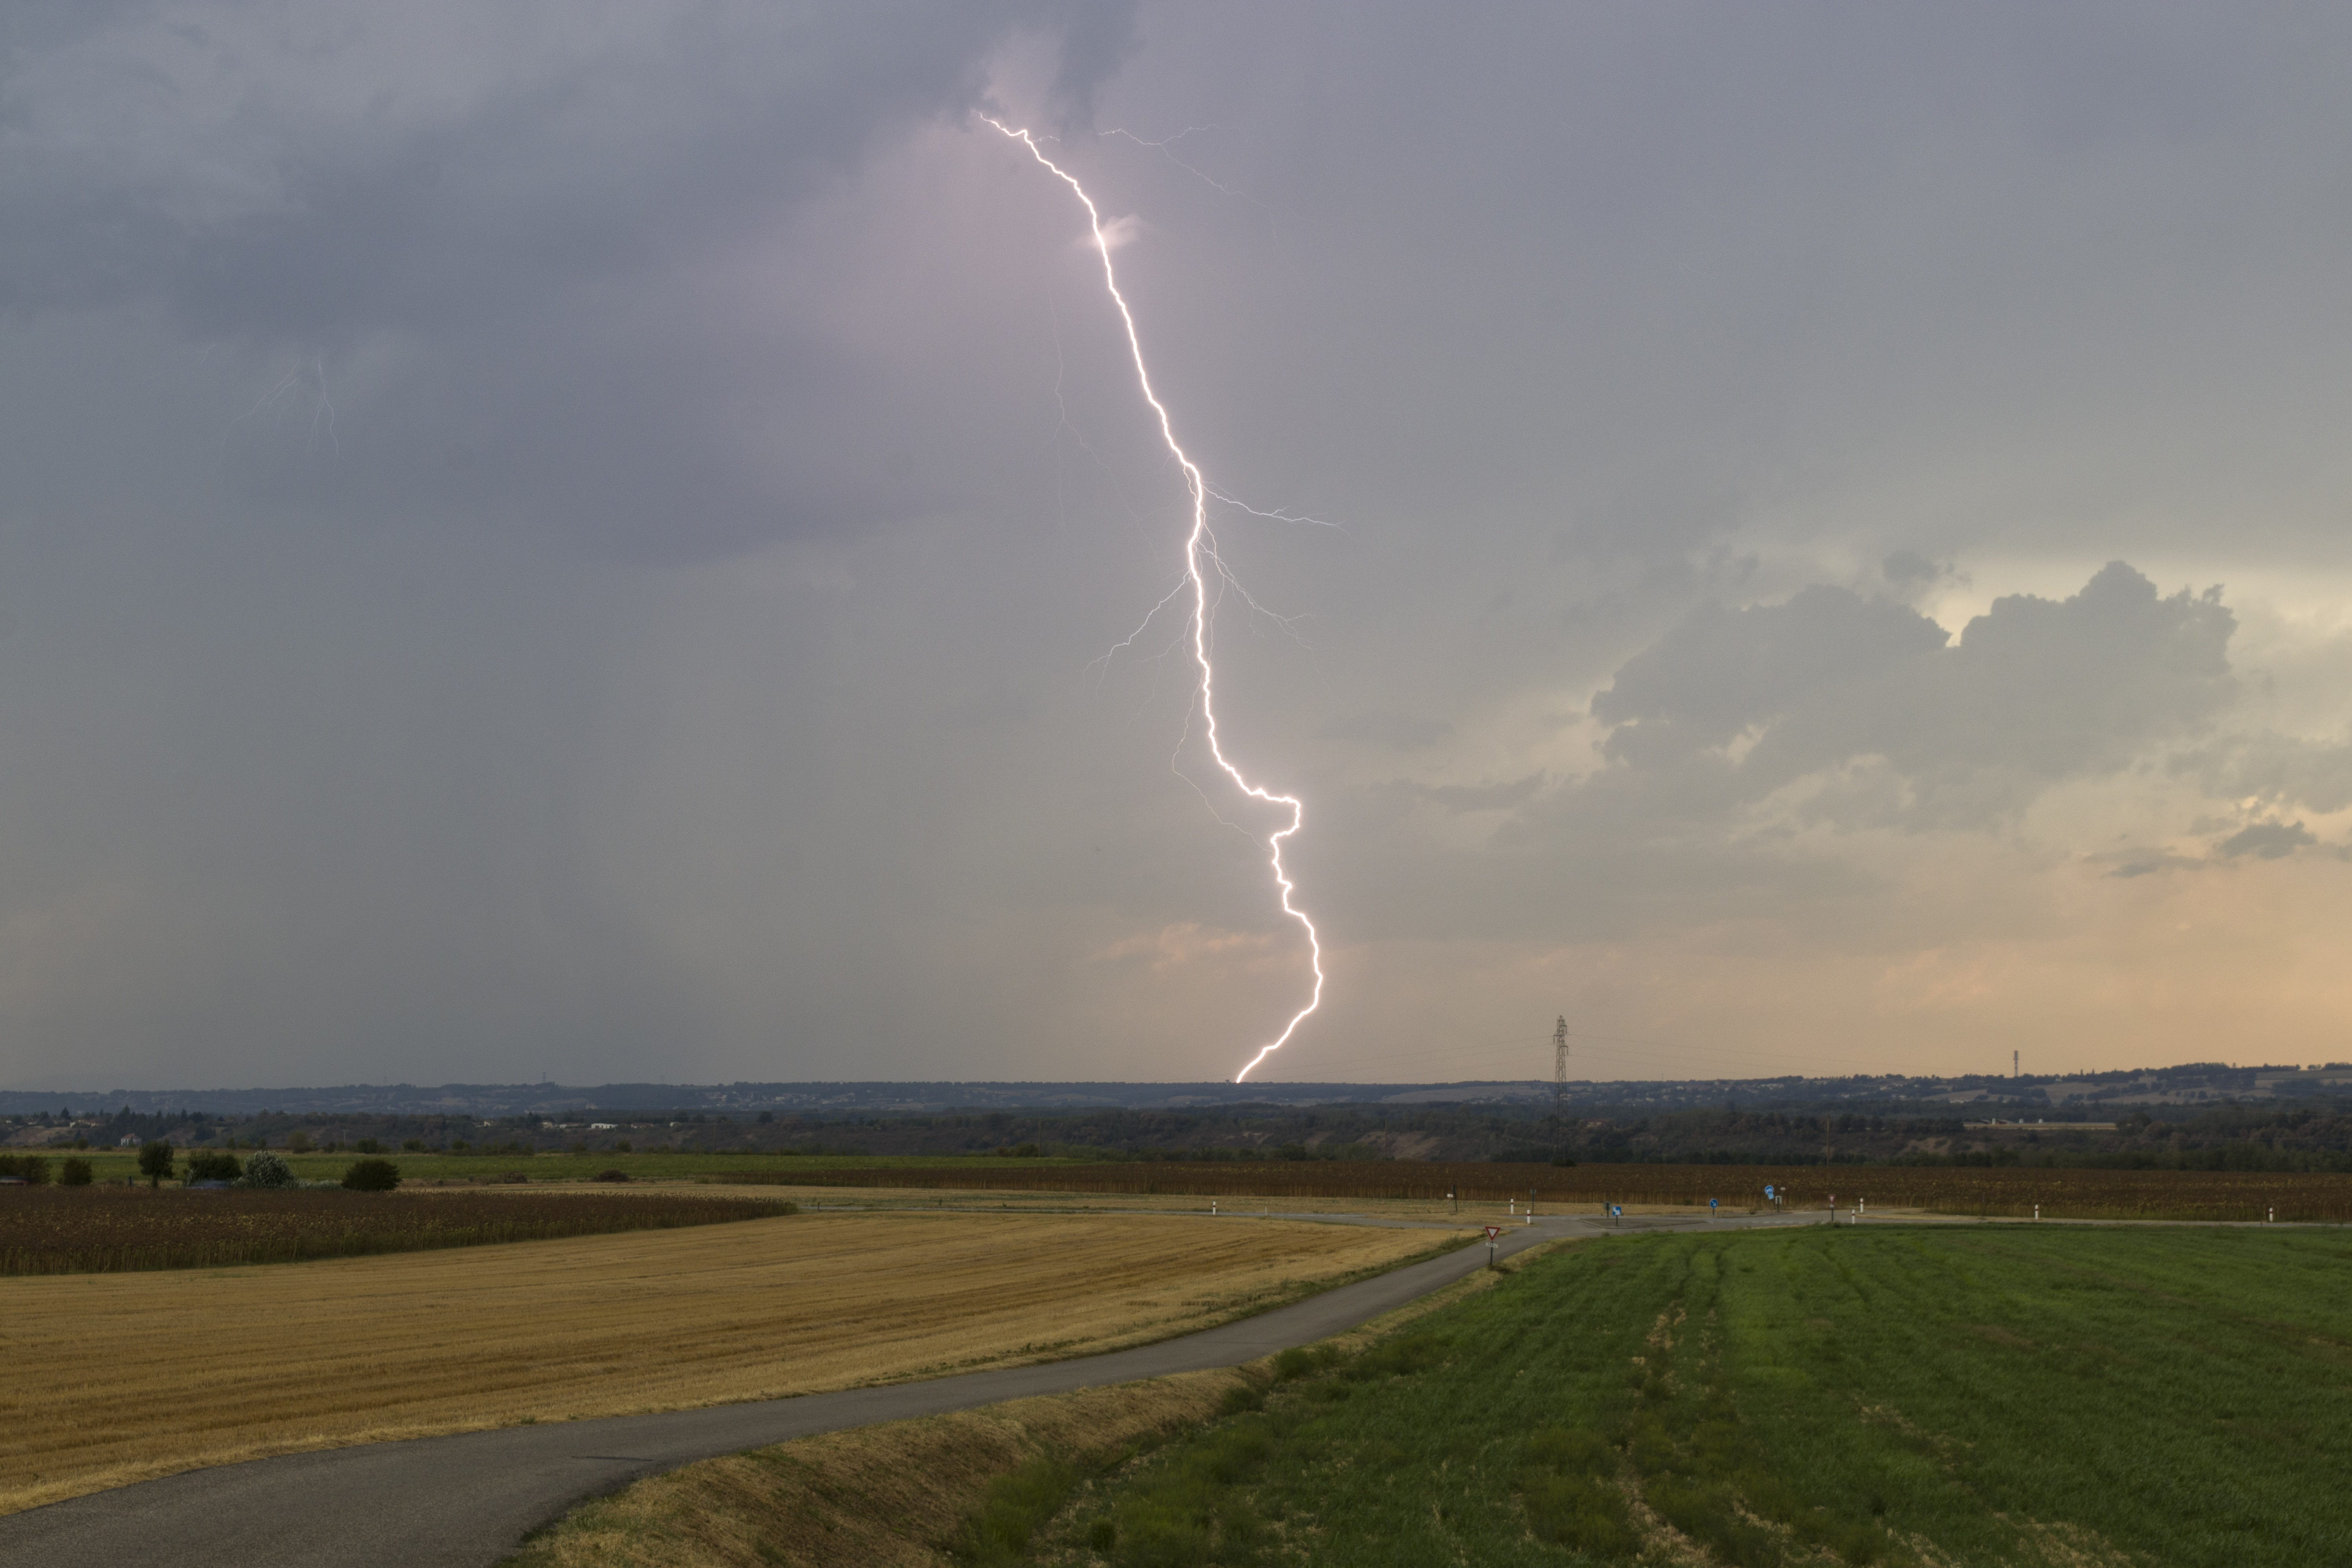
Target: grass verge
[[970, 1486]]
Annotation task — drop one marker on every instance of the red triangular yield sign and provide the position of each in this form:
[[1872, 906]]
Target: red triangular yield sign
[[1492, 1231]]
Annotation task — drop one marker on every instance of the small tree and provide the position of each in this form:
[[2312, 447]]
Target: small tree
[[75, 1173], [267, 1170], [213, 1165], [156, 1162], [368, 1146], [371, 1176]]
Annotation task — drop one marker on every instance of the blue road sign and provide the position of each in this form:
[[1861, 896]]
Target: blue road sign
[[1767, 1191], [1617, 1209], [1710, 1202]]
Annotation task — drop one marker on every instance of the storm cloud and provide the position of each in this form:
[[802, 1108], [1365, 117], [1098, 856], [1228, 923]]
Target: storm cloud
[[621, 542], [2031, 691]]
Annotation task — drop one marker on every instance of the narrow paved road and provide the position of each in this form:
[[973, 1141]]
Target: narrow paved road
[[465, 1501]]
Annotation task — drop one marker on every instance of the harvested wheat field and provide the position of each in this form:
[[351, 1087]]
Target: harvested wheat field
[[114, 1378]]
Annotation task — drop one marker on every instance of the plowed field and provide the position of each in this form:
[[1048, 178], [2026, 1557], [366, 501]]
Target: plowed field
[[109, 1230]]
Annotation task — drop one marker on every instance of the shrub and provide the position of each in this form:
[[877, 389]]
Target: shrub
[[610, 1176], [1302, 1361], [1015, 1506], [267, 1170], [623, 1147], [371, 1176], [298, 1143], [213, 1165], [368, 1146], [156, 1162], [1020, 1151], [412, 1146], [29, 1168], [1400, 1357], [75, 1173]]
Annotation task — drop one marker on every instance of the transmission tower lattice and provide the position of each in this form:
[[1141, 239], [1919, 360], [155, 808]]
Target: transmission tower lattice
[[1559, 1065]]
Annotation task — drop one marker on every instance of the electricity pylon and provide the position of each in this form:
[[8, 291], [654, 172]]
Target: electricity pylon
[[1560, 1085]]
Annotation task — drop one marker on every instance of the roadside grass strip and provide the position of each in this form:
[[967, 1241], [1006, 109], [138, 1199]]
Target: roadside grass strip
[[972, 1487], [1905, 1396]]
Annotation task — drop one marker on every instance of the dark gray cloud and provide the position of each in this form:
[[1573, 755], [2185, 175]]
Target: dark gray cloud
[[2284, 770], [2267, 841], [2033, 691], [478, 247], [313, 175]]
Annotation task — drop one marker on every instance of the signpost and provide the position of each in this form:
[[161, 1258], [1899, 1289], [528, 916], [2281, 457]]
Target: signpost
[[1711, 1206], [1617, 1212], [1492, 1232]]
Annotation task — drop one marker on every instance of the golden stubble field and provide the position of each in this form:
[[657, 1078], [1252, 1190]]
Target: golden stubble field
[[121, 1377]]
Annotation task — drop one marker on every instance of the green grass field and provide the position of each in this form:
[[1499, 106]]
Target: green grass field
[[1996, 1396]]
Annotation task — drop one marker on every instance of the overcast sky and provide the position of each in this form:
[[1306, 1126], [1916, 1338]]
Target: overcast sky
[[607, 541]]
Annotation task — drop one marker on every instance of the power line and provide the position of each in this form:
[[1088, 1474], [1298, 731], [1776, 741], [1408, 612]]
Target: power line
[[1775, 1059]]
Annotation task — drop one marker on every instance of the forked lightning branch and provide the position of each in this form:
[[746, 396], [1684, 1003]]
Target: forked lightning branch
[[1197, 542]]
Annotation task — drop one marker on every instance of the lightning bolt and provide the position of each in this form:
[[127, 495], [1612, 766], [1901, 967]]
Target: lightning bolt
[[1197, 544]]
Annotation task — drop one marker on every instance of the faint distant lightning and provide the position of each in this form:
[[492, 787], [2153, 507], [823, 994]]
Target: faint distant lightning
[[1197, 545]]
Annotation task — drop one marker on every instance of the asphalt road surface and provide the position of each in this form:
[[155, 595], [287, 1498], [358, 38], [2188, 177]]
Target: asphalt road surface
[[465, 1501]]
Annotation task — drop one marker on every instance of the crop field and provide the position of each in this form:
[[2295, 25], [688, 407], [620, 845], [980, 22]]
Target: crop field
[[2010, 1192], [94, 1230], [1918, 1398], [116, 1166], [116, 1377]]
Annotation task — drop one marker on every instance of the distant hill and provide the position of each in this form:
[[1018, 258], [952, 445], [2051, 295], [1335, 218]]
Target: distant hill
[[2196, 1083]]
